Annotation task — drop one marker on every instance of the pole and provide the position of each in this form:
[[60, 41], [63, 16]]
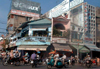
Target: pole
[[77, 52]]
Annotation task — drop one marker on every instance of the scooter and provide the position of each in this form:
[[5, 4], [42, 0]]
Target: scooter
[[59, 64]]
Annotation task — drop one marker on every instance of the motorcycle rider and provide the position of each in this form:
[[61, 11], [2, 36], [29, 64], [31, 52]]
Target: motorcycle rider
[[34, 60], [56, 58], [25, 57], [63, 58]]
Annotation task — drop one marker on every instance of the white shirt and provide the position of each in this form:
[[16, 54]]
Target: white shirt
[[64, 56], [56, 56]]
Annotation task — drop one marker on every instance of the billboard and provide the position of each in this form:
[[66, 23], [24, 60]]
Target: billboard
[[25, 5], [59, 9]]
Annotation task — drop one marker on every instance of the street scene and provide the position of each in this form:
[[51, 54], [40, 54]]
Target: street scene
[[58, 34]]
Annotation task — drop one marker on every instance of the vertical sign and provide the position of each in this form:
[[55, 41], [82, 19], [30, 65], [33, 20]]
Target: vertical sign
[[88, 36]]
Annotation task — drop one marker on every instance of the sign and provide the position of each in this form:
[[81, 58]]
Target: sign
[[88, 37], [75, 3], [24, 13], [59, 9], [25, 5], [77, 40]]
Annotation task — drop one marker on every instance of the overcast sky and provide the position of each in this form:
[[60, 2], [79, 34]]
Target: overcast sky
[[46, 5]]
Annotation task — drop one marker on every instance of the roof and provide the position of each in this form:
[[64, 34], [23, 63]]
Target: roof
[[41, 21], [24, 24]]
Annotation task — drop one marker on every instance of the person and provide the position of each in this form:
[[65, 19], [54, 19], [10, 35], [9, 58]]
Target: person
[[3, 54], [56, 58], [25, 57], [33, 56], [88, 58], [63, 58], [16, 56]]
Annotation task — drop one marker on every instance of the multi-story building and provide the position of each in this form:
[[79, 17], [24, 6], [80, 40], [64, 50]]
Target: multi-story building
[[98, 26], [22, 11], [82, 23]]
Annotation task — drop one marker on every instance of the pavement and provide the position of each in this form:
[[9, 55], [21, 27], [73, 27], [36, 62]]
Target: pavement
[[76, 66]]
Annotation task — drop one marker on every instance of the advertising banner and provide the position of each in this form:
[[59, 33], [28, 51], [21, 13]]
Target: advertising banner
[[24, 13], [59, 9], [73, 3], [25, 5]]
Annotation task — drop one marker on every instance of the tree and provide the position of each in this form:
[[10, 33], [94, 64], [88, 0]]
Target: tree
[[66, 34], [5, 42], [56, 32]]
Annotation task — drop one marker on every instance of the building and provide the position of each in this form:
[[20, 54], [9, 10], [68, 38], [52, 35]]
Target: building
[[82, 24], [35, 34], [98, 26], [22, 11]]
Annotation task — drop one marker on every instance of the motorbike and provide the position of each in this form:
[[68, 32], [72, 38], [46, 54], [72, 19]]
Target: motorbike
[[88, 63], [34, 63], [7, 61], [59, 64], [73, 62]]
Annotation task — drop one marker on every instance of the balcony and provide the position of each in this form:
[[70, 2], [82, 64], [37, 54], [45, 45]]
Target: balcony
[[36, 40]]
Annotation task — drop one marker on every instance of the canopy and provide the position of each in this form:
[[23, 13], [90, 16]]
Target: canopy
[[81, 48], [62, 47], [92, 47]]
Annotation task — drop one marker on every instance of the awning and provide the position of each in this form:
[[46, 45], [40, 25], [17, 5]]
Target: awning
[[42, 48], [81, 48], [92, 47], [62, 47]]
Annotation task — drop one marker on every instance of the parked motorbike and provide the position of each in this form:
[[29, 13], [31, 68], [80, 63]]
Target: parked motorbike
[[59, 64]]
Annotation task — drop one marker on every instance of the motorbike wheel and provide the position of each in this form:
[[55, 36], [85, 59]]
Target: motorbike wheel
[[88, 65], [17, 63], [65, 65], [4, 63], [48, 66]]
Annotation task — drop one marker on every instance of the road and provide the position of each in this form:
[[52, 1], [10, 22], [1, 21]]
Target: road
[[44, 67]]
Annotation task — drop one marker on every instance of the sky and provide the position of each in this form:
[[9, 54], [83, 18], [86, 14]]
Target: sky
[[46, 5]]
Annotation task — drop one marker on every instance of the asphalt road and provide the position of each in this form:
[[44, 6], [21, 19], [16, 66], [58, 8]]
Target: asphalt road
[[44, 67]]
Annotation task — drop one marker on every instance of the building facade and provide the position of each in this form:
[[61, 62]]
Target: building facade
[[22, 11], [97, 26]]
